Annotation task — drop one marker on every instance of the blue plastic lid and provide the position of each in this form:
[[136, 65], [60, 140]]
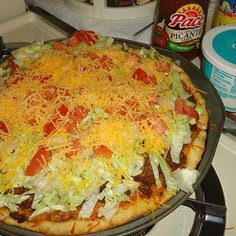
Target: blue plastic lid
[[225, 45], [219, 48]]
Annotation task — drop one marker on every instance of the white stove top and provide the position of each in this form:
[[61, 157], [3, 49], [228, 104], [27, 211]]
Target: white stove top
[[30, 27], [181, 219], [26, 26]]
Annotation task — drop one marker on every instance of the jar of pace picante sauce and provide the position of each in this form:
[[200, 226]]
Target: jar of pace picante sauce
[[180, 25]]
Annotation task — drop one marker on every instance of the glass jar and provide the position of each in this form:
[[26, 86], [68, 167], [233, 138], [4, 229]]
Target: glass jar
[[180, 25]]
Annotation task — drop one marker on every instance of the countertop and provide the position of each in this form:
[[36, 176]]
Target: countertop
[[116, 28]]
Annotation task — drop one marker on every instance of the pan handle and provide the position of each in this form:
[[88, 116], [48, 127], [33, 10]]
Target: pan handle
[[206, 207]]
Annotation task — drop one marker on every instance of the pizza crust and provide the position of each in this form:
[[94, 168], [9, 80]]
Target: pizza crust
[[127, 213], [194, 155], [197, 146]]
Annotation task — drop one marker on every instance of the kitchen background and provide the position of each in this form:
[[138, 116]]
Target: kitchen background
[[116, 28]]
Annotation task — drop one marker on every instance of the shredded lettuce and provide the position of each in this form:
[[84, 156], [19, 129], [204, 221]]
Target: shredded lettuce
[[155, 163], [12, 200], [181, 135], [131, 167], [148, 53], [177, 86], [4, 74], [185, 179], [97, 113], [90, 178], [108, 212], [88, 205], [169, 179], [28, 53], [104, 42], [158, 161], [112, 196], [199, 109]]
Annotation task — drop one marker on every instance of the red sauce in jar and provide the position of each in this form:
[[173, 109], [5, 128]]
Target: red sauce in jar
[[180, 25]]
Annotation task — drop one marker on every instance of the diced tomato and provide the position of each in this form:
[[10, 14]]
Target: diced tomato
[[45, 78], [34, 100], [140, 117], [32, 121], [163, 67], [143, 76], [78, 113], [50, 126], [122, 111], [71, 126], [153, 121], [51, 92], [15, 79], [109, 77], [76, 116], [63, 109], [58, 45], [42, 79], [160, 127], [102, 150], [182, 108], [38, 161], [73, 42], [106, 62], [3, 127], [75, 148], [12, 65], [132, 103], [61, 112], [91, 55], [88, 37], [136, 55]]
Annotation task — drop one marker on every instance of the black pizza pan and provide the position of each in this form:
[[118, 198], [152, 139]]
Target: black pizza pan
[[216, 111]]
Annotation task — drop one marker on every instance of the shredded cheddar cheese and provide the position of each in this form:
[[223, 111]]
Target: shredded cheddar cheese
[[88, 85]]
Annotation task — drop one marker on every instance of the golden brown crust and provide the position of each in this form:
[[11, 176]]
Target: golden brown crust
[[194, 155], [197, 146], [126, 213]]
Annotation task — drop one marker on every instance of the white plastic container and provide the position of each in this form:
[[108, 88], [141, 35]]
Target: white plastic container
[[99, 10], [219, 63]]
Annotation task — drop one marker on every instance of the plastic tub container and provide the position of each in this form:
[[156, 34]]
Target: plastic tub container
[[219, 62]]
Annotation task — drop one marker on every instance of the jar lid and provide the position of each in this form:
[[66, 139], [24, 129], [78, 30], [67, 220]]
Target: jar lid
[[219, 48]]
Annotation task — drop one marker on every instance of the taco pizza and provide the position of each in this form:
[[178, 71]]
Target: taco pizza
[[94, 134]]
